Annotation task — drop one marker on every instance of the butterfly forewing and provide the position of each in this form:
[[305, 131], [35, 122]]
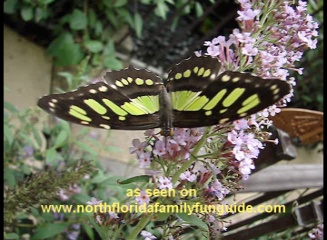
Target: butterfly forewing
[[225, 97], [128, 99]]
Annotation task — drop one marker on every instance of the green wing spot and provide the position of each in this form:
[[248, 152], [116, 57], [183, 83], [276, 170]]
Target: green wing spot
[[249, 103], [197, 104], [206, 73], [201, 71], [233, 96], [151, 103], [149, 82], [195, 70], [133, 108], [235, 79], [188, 100], [95, 106], [215, 100], [142, 105], [178, 76], [103, 89], [78, 109], [130, 80], [276, 91], [79, 113], [105, 126], [124, 81], [273, 87], [187, 74], [208, 113], [119, 84], [139, 81], [225, 78], [224, 120], [116, 109]]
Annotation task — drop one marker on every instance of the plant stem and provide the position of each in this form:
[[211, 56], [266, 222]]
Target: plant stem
[[138, 228]]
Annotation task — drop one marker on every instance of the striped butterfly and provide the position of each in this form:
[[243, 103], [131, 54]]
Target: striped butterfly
[[196, 94], [303, 125]]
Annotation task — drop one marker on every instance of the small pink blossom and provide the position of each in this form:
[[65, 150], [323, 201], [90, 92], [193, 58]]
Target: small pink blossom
[[187, 175], [138, 147], [241, 124], [165, 182], [94, 201], [144, 160], [248, 14], [143, 198], [147, 235], [159, 149]]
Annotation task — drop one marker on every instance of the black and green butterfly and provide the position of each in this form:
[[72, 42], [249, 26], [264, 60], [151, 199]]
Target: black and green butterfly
[[195, 94]]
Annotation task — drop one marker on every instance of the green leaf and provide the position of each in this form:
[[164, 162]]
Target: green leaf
[[78, 20], [8, 134], [50, 156], [10, 6], [92, 18], [45, 2], [50, 230], [9, 177], [81, 198], [113, 63], [27, 139], [162, 216], [65, 51], [98, 178], [86, 148], [27, 13], [120, 3], [40, 13], [126, 15], [10, 107], [61, 139], [98, 28], [141, 178], [193, 220], [89, 231], [138, 24], [11, 236], [112, 18], [198, 9], [94, 46], [68, 77], [37, 136], [161, 9]]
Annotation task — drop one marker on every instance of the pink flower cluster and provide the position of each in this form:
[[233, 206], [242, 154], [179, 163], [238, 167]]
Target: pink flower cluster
[[176, 148], [269, 42]]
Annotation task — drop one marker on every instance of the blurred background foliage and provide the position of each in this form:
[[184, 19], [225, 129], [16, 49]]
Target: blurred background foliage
[[92, 36], [158, 33]]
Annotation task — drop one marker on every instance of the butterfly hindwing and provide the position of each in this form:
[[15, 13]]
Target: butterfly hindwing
[[128, 99], [304, 124], [206, 97]]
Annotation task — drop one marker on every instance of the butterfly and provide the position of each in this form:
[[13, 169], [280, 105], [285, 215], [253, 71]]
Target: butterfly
[[196, 94], [305, 125]]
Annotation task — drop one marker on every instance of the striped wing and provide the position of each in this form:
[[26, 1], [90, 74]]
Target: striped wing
[[306, 125], [128, 99], [201, 96]]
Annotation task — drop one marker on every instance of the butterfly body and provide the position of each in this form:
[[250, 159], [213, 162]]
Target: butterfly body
[[196, 94]]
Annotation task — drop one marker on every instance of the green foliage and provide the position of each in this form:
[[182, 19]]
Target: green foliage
[[92, 28], [38, 163]]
